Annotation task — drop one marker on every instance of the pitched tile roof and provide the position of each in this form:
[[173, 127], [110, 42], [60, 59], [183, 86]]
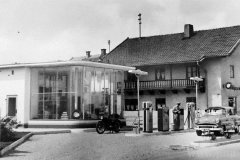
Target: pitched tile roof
[[173, 48], [93, 58]]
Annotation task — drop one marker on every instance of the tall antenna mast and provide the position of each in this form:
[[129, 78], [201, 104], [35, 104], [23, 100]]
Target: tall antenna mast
[[109, 42], [140, 22]]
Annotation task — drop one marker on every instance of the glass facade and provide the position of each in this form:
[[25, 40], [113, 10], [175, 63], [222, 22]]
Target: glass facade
[[59, 91]]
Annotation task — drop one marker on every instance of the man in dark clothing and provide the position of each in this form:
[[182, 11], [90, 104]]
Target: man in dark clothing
[[176, 116]]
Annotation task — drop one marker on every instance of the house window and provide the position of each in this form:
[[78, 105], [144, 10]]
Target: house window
[[131, 104], [160, 74], [231, 71], [191, 71]]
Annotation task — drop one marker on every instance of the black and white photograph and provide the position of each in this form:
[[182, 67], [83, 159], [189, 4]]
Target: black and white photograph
[[119, 79]]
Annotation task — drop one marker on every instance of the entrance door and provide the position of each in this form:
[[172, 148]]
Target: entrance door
[[12, 105], [232, 102]]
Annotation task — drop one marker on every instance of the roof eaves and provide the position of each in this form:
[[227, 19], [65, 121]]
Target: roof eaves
[[167, 63], [67, 63], [234, 47]]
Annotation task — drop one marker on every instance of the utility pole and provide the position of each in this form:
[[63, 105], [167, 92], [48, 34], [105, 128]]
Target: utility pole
[[109, 42]]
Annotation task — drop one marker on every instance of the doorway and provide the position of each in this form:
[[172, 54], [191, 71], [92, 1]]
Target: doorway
[[12, 105], [232, 102]]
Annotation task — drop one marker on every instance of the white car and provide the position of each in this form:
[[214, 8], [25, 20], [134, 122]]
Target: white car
[[218, 121]]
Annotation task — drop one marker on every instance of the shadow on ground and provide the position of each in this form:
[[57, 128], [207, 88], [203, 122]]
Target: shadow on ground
[[125, 128]]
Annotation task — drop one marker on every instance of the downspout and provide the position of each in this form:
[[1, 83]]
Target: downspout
[[171, 76], [206, 87]]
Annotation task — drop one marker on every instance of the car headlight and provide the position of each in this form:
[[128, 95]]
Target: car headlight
[[196, 121], [101, 117]]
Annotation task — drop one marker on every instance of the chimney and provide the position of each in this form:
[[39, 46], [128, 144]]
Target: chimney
[[103, 52], [188, 30], [88, 54]]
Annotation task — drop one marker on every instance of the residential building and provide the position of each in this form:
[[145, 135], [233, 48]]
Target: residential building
[[89, 57], [172, 59]]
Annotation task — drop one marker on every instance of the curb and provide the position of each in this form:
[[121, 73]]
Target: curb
[[132, 134], [51, 132], [26, 137], [15, 144], [228, 142], [215, 144]]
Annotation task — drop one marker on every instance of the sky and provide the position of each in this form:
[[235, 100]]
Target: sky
[[50, 30]]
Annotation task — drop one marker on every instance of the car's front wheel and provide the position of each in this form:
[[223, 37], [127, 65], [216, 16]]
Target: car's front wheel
[[228, 135], [213, 137], [199, 132]]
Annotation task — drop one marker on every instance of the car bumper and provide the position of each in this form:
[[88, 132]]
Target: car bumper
[[213, 128], [209, 128]]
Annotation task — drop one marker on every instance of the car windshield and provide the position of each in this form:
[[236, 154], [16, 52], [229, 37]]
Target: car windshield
[[215, 111]]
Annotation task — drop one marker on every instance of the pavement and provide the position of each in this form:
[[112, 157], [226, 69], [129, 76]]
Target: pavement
[[197, 141], [193, 140], [126, 139]]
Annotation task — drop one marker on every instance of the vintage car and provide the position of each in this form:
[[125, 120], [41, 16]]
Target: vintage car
[[218, 121]]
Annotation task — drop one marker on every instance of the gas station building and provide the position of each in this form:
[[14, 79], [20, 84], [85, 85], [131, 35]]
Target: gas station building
[[49, 94]]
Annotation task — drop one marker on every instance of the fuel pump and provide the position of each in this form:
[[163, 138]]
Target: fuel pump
[[190, 115], [147, 117]]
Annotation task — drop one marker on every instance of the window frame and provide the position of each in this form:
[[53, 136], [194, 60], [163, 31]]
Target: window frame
[[232, 74], [162, 74], [193, 71]]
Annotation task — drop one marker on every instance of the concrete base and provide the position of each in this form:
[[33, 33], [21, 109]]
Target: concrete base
[[64, 124]]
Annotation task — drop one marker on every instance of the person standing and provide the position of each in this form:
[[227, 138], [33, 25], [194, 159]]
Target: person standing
[[176, 116]]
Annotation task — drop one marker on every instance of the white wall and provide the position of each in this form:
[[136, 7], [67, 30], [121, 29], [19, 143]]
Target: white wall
[[212, 68], [233, 59], [15, 84]]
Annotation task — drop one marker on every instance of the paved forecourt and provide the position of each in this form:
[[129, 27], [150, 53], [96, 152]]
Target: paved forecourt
[[87, 144]]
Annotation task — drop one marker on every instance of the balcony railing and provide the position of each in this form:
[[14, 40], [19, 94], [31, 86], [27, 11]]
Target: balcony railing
[[163, 84]]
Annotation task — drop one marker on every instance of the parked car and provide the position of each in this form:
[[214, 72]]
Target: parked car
[[218, 121]]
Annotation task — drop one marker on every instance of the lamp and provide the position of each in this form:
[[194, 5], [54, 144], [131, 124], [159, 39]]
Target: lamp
[[138, 73], [196, 80]]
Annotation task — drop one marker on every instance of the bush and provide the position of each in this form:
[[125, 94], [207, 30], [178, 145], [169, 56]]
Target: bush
[[6, 131]]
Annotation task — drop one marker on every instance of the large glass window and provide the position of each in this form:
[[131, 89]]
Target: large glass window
[[88, 94], [57, 92], [51, 93]]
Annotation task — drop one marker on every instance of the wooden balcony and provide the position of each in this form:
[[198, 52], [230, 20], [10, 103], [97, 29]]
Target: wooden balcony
[[163, 84]]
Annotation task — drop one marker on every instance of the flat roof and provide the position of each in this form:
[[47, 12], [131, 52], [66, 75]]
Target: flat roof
[[67, 63]]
